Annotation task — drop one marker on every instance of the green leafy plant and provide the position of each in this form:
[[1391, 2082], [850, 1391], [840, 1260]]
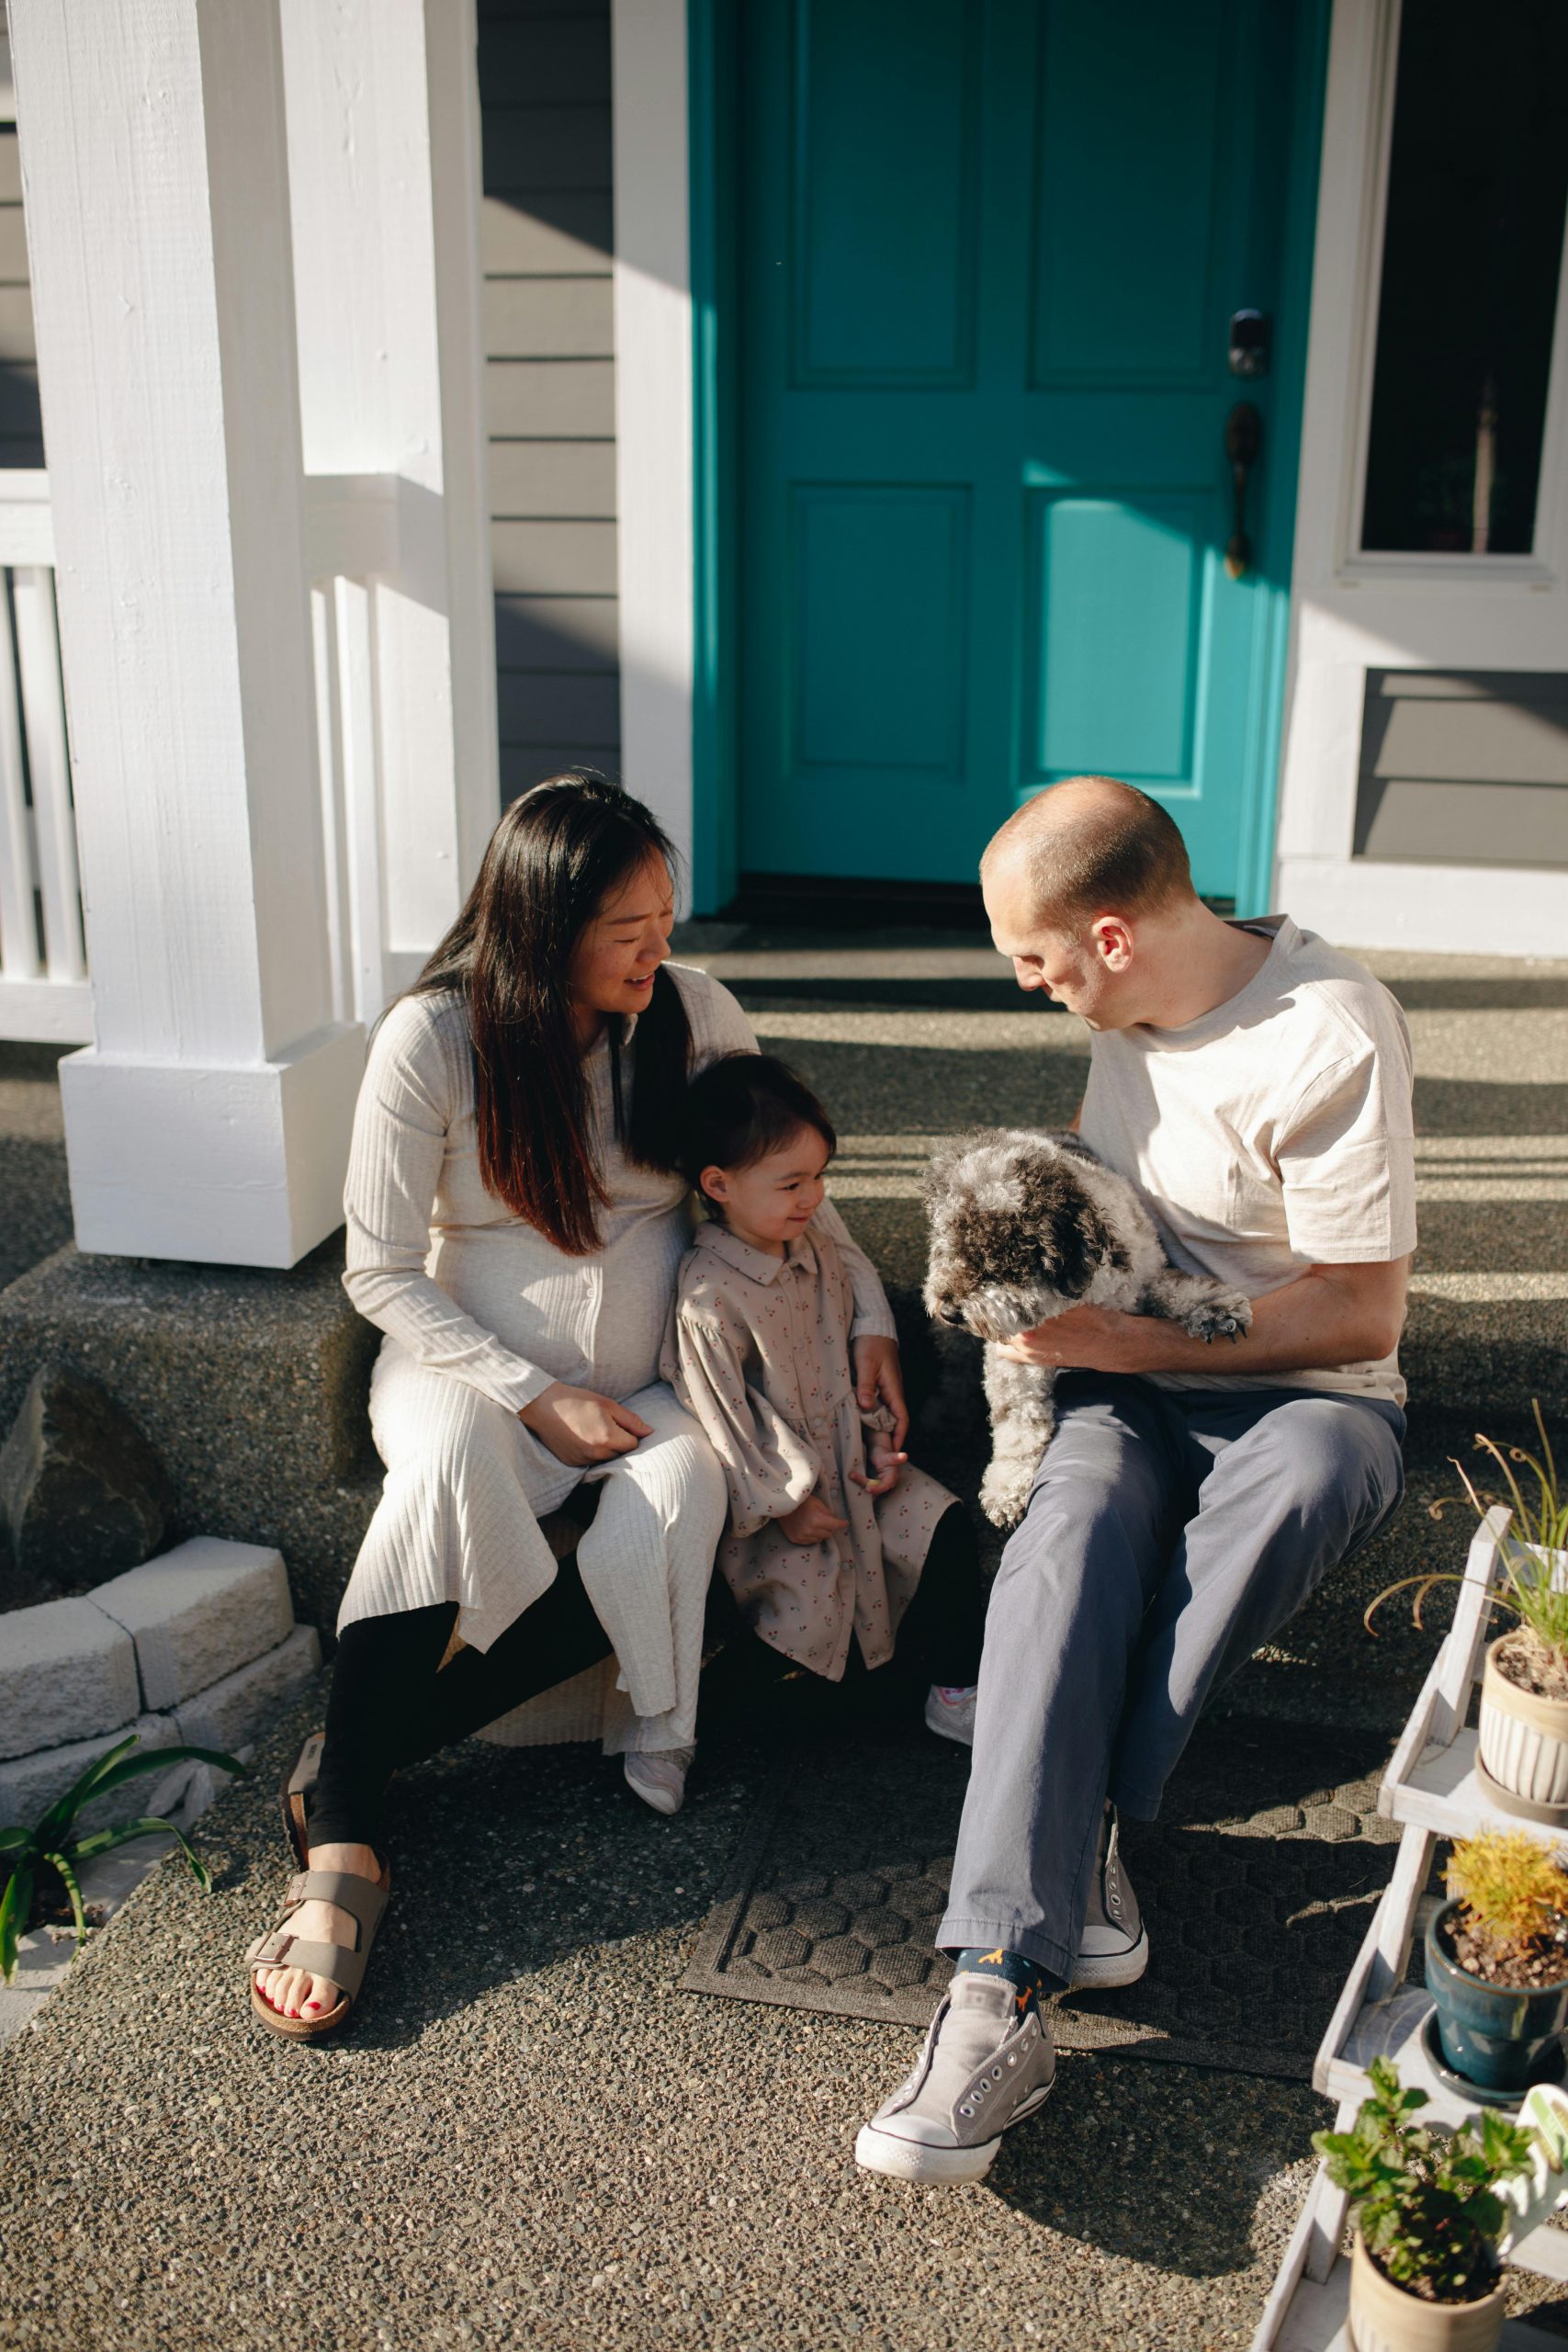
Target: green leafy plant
[[1426, 2204], [1507, 1884], [59, 1845], [1538, 1523]]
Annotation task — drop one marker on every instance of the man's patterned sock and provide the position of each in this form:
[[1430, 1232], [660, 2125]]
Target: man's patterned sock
[[1029, 1981]]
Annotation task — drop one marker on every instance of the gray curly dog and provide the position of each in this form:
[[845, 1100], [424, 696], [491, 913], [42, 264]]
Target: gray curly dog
[[1023, 1226]]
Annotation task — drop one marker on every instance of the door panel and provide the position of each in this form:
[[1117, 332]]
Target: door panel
[[989, 253], [892, 698], [1120, 585], [882, 196], [1129, 179]]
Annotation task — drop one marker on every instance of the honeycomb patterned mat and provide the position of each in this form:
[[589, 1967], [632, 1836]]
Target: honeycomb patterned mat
[[1257, 1885]]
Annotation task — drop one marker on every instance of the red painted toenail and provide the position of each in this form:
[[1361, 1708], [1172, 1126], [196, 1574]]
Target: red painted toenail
[[312, 2005]]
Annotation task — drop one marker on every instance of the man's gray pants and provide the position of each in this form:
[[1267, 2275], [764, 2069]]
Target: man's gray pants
[[1169, 1533]]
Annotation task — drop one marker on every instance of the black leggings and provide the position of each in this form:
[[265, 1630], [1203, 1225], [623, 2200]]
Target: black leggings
[[394, 1703], [941, 1630], [391, 1706]]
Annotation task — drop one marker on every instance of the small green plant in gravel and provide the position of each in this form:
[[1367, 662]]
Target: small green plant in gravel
[[58, 1844], [1425, 2203]]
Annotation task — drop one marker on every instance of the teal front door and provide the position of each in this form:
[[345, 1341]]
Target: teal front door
[[989, 252]]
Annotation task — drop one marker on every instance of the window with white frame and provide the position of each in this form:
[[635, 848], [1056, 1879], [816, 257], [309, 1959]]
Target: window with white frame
[[1471, 264]]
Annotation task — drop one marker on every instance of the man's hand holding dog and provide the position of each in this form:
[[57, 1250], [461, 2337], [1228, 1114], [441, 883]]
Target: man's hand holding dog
[[1328, 1315]]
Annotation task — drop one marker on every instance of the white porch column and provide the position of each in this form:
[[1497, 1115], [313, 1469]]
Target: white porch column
[[654, 479], [383, 160], [210, 1119]]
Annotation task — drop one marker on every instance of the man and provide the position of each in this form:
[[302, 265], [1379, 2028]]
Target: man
[[1255, 1085]]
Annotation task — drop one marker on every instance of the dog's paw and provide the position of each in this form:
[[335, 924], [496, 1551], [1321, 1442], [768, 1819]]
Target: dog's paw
[[1225, 1314], [1004, 1492]]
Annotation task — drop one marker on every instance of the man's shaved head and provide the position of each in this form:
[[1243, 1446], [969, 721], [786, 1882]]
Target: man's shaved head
[[1091, 846]]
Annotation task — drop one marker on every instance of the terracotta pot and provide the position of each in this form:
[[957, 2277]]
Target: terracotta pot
[[1384, 2318], [1495, 2035], [1523, 1745]]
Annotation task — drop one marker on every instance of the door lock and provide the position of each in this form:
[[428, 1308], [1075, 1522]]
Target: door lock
[[1249, 338]]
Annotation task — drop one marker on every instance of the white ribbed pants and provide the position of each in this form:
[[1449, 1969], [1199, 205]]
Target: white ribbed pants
[[458, 1521]]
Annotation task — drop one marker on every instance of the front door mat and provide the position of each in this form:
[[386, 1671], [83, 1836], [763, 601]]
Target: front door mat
[[1258, 1884]]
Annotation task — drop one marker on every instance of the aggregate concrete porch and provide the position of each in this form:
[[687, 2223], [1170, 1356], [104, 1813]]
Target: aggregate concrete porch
[[532, 2134]]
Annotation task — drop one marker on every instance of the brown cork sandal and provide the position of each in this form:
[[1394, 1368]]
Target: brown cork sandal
[[298, 1783], [364, 1900]]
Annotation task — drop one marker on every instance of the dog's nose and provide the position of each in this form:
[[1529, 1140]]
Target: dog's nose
[[951, 1314]]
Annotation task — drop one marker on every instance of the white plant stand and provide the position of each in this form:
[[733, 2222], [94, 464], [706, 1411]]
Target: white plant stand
[[1430, 1786]]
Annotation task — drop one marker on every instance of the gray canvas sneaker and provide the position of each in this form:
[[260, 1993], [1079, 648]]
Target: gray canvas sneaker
[[1114, 1947], [981, 2069]]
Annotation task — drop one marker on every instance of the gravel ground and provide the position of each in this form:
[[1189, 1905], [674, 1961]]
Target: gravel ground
[[531, 2133], [32, 1159]]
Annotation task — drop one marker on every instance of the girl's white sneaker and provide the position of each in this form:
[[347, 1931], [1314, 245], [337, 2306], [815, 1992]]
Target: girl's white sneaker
[[659, 1776], [950, 1712]]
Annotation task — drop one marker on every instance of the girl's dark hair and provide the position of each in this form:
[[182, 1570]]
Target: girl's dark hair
[[742, 1107], [558, 853]]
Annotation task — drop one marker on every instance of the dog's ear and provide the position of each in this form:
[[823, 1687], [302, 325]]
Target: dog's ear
[[1100, 1245], [948, 1157]]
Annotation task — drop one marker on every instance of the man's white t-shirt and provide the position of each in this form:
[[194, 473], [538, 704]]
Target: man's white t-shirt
[[1271, 1135]]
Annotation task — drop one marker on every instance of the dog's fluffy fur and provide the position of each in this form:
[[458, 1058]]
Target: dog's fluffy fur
[[1024, 1226]]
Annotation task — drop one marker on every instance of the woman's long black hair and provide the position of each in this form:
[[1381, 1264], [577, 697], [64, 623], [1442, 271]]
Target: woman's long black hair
[[558, 853]]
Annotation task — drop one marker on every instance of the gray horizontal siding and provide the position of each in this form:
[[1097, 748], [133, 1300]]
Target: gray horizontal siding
[[1464, 769], [553, 478], [561, 61], [550, 399], [553, 558], [21, 424], [546, 234], [560, 633], [545, 318], [527, 148], [564, 232]]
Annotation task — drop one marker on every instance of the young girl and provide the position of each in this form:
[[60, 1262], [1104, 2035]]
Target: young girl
[[822, 1546]]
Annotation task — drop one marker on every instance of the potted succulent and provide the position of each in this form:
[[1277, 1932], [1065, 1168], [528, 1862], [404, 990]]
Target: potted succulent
[[1497, 1961], [1425, 2273], [1522, 1731]]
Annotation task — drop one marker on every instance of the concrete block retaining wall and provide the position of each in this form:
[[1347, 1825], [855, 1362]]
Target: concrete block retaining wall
[[196, 1648]]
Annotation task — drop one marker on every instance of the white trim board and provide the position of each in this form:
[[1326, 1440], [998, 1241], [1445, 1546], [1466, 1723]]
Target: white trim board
[[1351, 613], [654, 458]]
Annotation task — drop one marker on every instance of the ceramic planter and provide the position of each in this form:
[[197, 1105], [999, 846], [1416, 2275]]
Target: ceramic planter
[[1523, 1745], [1384, 2318], [1497, 2036]]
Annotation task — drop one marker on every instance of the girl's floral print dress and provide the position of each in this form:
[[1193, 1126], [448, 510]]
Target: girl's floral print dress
[[758, 1352]]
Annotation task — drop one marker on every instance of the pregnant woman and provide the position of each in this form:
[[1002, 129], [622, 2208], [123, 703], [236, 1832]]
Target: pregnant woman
[[515, 1223]]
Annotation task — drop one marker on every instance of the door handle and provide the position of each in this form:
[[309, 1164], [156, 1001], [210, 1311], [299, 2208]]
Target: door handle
[[1243, 438]]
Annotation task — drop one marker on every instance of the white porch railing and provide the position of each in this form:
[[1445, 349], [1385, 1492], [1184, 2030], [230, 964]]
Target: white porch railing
[[354, 536], [44, 962], [358, 541]]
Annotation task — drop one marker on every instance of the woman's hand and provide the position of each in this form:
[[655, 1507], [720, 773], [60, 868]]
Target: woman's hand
[[878, 1375], [885, 1464], [811, 1522], [580, 1426]]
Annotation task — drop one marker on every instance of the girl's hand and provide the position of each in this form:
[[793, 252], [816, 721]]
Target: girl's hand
[[811, 1522], [885, 1464], [580, 1427], [879, 1375]]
